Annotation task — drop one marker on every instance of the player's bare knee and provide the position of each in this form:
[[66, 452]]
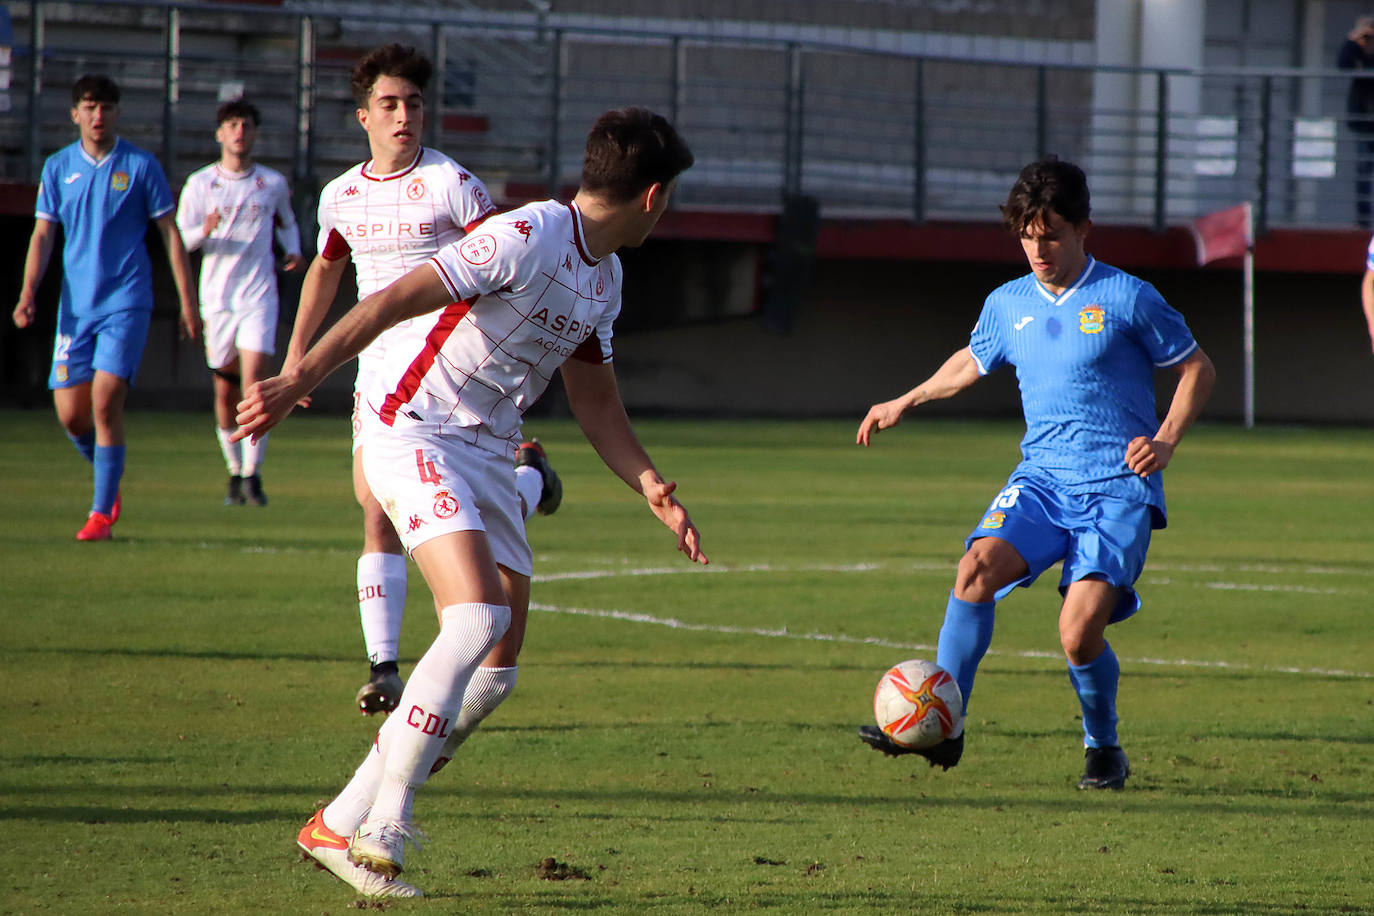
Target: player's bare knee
[[976, 578]]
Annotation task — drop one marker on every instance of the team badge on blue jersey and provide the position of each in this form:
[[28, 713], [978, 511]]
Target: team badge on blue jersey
[[1092, 319], [993, 520], [60, 370], [119, 181]]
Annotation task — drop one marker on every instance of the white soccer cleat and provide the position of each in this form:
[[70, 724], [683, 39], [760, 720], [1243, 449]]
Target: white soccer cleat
[[380, 846], [330, 852]]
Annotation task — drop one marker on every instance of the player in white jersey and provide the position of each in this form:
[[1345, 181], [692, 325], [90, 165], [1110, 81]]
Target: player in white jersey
[[388, 215], [490, 319], [231, 210]]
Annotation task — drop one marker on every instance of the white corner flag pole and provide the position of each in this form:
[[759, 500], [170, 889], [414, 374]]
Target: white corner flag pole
[[1249, 326]]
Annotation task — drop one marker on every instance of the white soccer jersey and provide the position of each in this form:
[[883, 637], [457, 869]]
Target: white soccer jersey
[[391, 224], [527, 296], [238, 270]]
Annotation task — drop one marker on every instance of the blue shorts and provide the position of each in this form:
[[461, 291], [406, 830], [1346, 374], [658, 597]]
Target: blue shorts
[[1100, 537], [112, 343]]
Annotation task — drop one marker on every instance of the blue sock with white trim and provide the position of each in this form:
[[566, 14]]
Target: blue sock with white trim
[[1096, 684]]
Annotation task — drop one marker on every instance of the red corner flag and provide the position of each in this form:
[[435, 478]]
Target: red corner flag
[[1223, 234]]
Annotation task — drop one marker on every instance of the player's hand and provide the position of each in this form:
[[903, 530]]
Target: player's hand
[[265, 405], [211, 221], [286, 366], [23, 313], [1144, 455], [673, 514], [190, 321], [880, 416], [293, 263]]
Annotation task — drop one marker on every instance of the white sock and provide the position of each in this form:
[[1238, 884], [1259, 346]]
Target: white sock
[[431, 701], [253, 453], [232, 451], [487, 690], [349, 808], [382, 603], [530, 483]]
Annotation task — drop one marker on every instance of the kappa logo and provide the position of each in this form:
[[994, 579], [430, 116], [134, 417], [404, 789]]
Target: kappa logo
[[259, 182], [119, 181], [524, 228], [567, 263], [1092, 319], [1025, 320], [350, 191], [72, 177], [415, 523], [463, 177]]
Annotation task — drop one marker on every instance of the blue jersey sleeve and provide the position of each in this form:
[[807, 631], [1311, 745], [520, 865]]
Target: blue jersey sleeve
[[988, 342], [47, 206], [1160, 329], [157, 193]]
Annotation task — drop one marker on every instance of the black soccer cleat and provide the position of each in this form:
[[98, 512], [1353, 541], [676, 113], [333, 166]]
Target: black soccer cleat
[[382, 691], [1104, 768], [234, 495], [253, 487], [944, 755], [531, 454]]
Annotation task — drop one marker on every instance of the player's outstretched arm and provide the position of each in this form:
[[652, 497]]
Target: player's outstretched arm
[[1196, 377], [318, 289], [1367, 301], [595, 400], [180, 262], [958, 372], [268, 402]]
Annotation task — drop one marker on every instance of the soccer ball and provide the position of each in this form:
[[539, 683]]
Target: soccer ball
[[917, 703]]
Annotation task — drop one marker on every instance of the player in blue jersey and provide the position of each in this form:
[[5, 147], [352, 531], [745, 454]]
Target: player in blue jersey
[[1086, 340], [103, 191]]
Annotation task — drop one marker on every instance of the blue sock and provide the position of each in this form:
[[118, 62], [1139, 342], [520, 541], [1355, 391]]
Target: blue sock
[[85, 444], [1095, 684], [964, 640], [109, 468]]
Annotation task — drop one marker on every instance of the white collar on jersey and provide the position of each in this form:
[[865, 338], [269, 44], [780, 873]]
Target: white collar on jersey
[[1064, 296], [98, 163], [228, 175], [391, 176]]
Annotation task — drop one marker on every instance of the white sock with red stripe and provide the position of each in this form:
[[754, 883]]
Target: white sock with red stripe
[[431, 702]]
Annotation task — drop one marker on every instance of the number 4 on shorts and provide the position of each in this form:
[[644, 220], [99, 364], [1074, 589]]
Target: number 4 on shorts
[[428, 472]]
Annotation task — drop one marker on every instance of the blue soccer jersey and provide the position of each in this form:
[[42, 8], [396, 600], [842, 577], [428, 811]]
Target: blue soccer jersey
[[1085, 363], [104, 208]]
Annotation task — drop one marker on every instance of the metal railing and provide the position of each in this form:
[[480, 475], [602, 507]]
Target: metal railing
[[863, 131]]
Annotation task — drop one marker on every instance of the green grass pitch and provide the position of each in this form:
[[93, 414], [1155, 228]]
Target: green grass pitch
[[179, 701]]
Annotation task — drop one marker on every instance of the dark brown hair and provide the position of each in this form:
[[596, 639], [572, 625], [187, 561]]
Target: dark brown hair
[[629, 149], [1048, 184], [95, 87], [389, 60], [238, 108]]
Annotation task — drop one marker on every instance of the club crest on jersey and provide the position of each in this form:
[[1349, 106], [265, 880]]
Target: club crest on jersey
[[993, 520], [119, 181], [416, 189], [600, 284], [478, 249], [61, 372], [259, 183], [445, 504], [1092, 319]]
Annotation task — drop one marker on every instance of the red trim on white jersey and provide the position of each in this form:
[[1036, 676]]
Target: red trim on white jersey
[[578, 239], [415, 373], [419, 154], [335, 247]]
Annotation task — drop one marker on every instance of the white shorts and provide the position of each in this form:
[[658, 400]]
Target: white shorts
[[361, 411], [228, 332], [430, 485]]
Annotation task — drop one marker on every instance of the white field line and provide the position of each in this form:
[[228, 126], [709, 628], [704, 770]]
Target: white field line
[[784, 633]]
